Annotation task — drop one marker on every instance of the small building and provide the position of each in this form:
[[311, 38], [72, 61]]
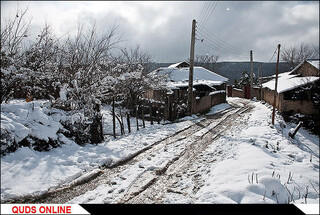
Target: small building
[[208, 87], [297, 90]]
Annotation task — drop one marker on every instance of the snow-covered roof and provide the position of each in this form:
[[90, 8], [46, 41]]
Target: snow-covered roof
[[199, 73], [176, 65], [314, 63], [178, 84], [287, 82]]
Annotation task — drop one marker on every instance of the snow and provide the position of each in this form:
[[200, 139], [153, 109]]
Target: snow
[[228, 181], [174, 85], [63, 93], [288, 82], [242, 157], [314, 63], [217, 92], [27, 171], [200, 73], [175, 65], [21, 119], [250, 163]]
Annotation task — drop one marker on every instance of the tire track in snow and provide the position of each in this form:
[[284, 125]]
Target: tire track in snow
[[165, 181], [105, 174]]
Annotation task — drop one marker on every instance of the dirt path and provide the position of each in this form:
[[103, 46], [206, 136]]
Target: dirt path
[[152, 186]]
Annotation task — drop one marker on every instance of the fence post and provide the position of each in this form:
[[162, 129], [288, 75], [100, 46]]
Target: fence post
[[137, 109], [150, 112], [128, 121], [142, 112], [158, 115]]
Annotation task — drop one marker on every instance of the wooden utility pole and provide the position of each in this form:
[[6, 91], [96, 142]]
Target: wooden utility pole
[[251, 74], [276, 87], [261, 81], [190, 93]]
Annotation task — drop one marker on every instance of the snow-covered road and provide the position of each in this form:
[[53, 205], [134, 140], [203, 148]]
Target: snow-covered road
[[233, 155]]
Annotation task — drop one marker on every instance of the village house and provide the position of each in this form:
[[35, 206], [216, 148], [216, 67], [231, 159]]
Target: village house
[[297, 90], [208, 87]]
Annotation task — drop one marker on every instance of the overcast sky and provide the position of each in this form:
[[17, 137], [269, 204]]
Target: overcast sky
[[163, 28]]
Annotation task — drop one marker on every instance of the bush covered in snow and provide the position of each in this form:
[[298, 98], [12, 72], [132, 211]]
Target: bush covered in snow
[[75, 74], [39, 126]]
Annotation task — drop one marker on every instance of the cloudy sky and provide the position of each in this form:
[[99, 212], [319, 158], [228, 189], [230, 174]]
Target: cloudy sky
[[229, 29]]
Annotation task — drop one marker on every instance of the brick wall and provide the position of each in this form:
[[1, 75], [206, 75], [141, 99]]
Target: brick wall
[[299, 106], [237, 93], [307, 69], [256, 93], [206, 102]]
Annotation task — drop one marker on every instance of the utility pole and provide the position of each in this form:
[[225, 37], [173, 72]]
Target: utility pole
[[190, 93], [276, 87], [251, 74], [261, 81]]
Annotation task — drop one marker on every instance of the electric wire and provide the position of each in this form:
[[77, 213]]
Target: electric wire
[[207, 37], [206, 11], [204, 24], [222, 51], [275, 51], [204, 30], [203, 10]]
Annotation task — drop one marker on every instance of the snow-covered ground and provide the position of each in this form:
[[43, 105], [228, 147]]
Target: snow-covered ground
[[29, 172], [253, 162], [263, 165]]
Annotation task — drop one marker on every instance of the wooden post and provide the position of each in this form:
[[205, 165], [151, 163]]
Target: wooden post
[[251, 74], [261, 81], [167, 108], [113, 118], [128, 121], [137, 117], [174, 111], [190, 93], [295, 130], [158, 115], [150, 112], [142, 112], [121, 123], [276, 87]]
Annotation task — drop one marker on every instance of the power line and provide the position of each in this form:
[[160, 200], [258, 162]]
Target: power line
[[206, 11], [203, 10], [202, 28], [204, 24], [222, 51], [220, 44], [275, 51]]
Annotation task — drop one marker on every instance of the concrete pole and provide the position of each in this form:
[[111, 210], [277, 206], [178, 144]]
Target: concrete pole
[[190, 93]]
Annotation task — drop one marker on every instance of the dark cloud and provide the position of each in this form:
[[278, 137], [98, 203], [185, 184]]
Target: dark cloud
[[164, 28]]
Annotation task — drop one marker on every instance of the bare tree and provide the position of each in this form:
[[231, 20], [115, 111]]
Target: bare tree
[[13, 33], [207, 61], [294, 55]]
